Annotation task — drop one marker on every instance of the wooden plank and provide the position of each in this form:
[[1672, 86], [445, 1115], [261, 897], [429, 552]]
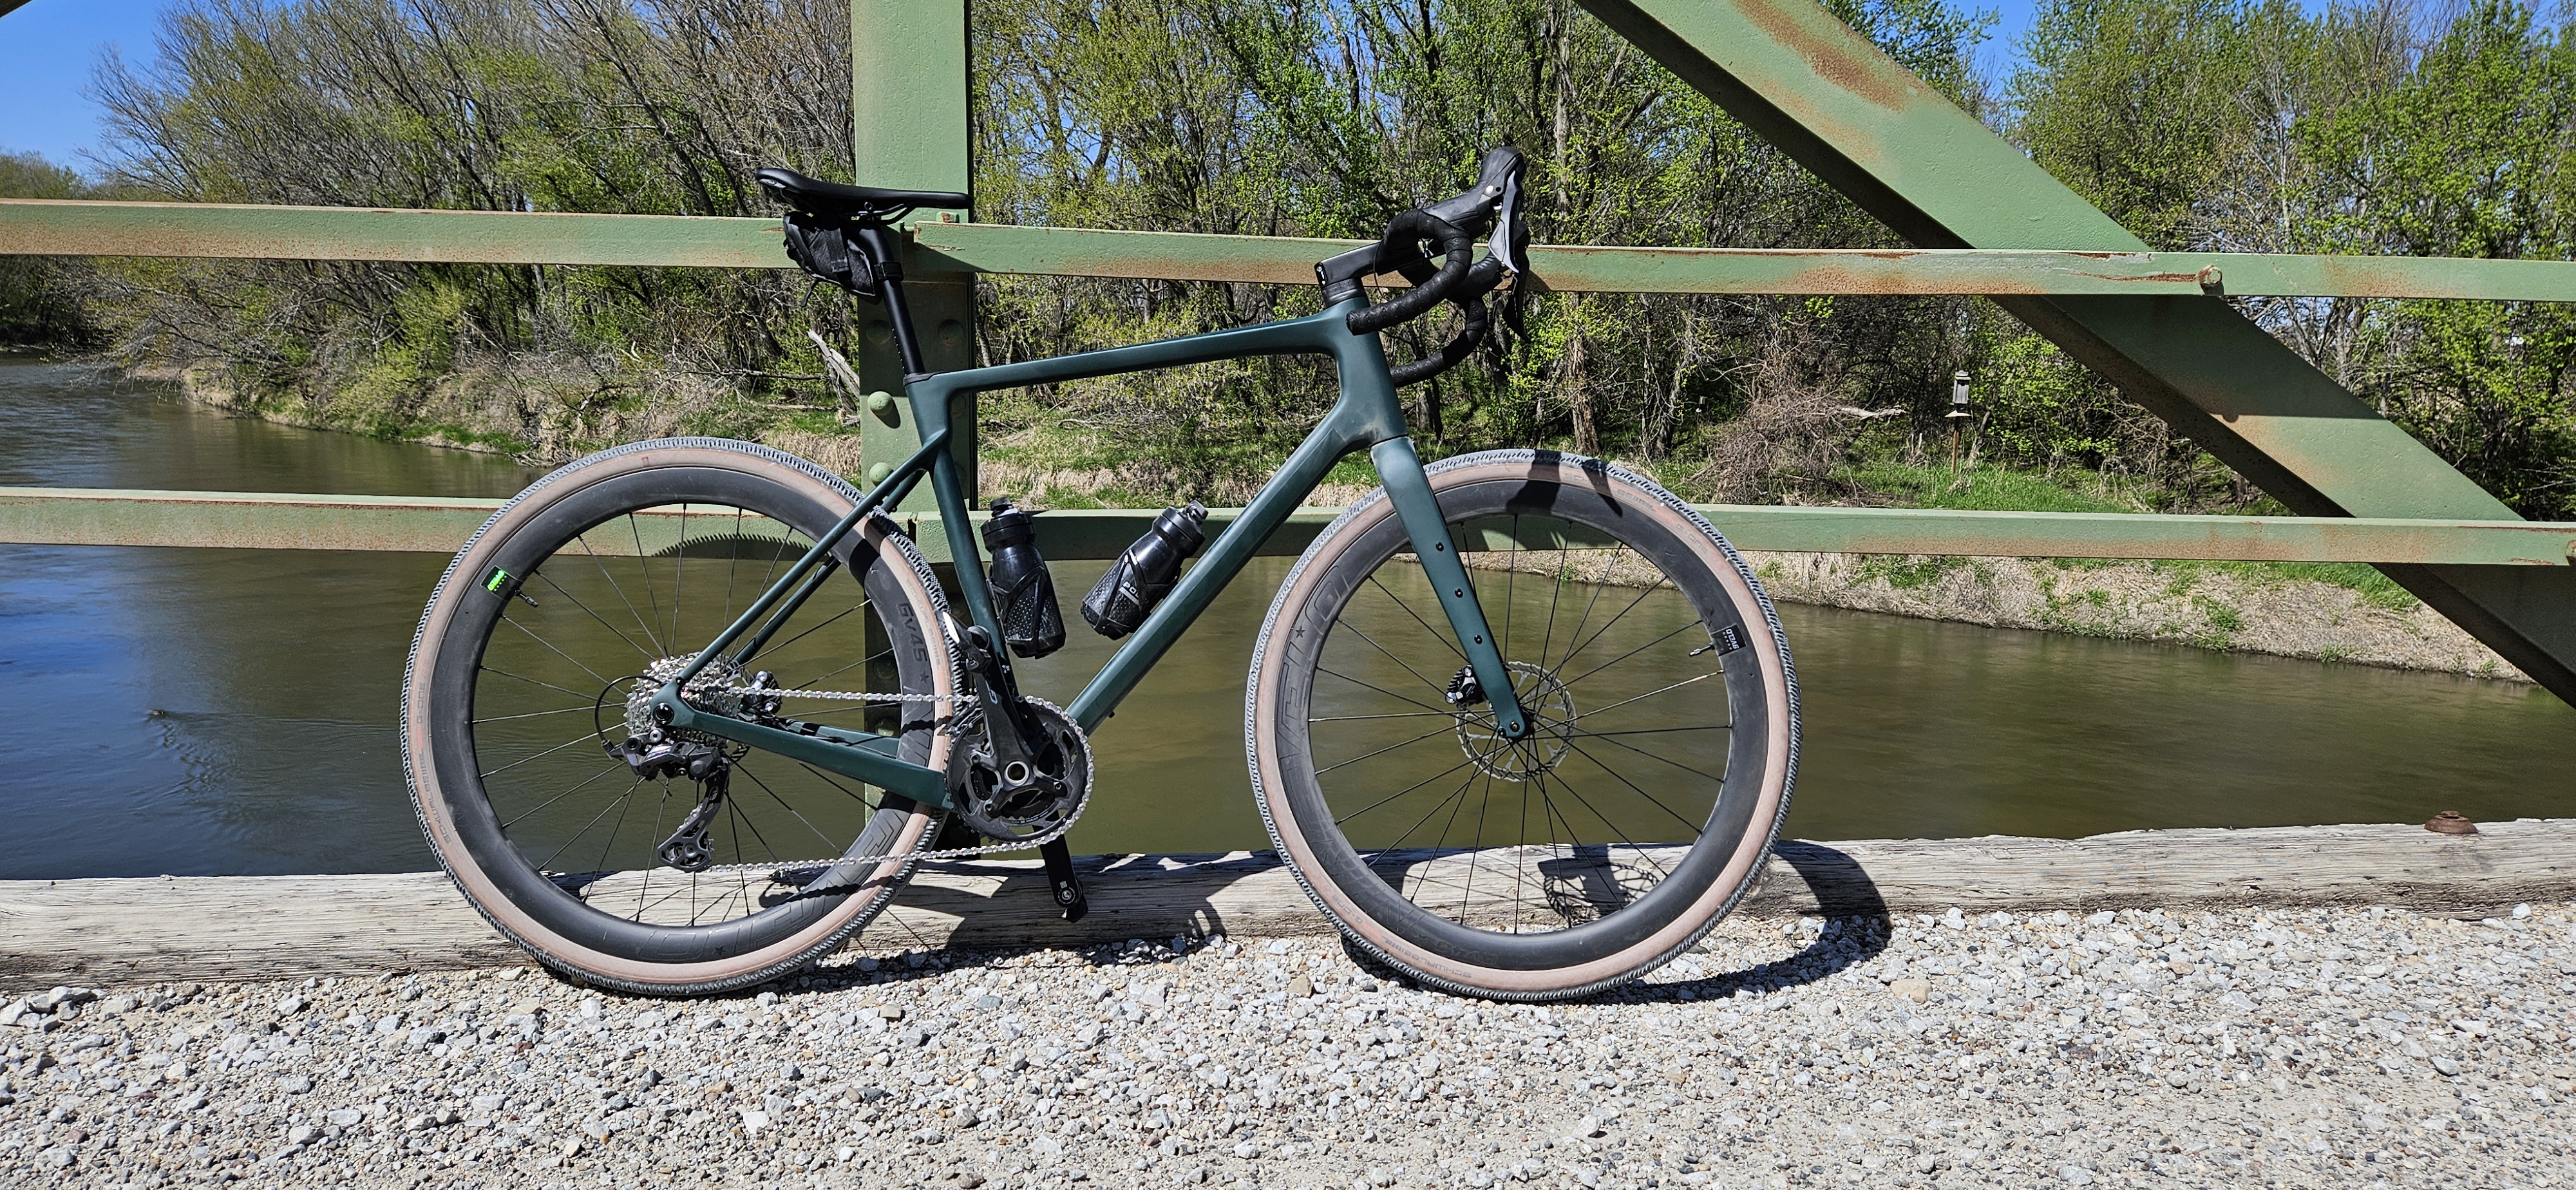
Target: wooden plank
[[104, 932]]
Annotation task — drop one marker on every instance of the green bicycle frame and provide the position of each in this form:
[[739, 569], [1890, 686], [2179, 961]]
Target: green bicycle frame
[[1366, 415]]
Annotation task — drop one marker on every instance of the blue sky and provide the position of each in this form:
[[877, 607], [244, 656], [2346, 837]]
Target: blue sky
[[49, 48]]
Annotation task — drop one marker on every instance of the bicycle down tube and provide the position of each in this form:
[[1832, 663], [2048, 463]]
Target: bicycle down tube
[[1366, 414]]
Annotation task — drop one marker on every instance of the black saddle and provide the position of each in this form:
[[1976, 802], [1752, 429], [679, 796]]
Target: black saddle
[[797, 192]]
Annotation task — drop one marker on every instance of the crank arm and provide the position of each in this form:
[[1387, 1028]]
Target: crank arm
[[1061, 881], [999, 696]]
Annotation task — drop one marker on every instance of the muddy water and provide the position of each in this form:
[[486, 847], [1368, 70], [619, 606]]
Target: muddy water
[[225, 711]]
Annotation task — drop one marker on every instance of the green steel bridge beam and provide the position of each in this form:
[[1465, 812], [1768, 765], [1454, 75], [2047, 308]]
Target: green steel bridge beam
[[73, 228], [1835, 103], [909, 81], [434, 524]]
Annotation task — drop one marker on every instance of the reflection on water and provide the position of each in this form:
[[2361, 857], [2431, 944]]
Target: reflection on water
[[276, 677]]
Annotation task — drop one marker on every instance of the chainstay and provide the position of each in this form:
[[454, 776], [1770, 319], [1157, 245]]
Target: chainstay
[[948, 853]]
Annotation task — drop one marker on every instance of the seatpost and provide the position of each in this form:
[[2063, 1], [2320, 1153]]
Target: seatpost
[[884, 246]]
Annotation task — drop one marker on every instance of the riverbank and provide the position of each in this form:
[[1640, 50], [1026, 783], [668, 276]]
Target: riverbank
[[2245, 1047], [539, 410], [2243, 608]]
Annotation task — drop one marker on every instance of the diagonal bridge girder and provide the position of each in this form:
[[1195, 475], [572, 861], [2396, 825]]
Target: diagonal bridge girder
[[1838, 105]]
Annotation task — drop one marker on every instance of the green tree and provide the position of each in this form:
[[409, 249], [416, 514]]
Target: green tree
[[40, 299]]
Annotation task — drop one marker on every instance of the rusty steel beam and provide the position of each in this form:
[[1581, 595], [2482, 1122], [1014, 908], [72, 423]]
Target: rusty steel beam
[[264, 520], [1189, 256], [1834, 102], [71, 228]]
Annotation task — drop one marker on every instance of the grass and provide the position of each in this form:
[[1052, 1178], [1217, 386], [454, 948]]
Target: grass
[[1997, 489]]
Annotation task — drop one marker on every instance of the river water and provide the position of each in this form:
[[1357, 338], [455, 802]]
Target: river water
[[205, 711]]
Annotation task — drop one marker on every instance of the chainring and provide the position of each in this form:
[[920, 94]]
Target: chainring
[[977, 797]]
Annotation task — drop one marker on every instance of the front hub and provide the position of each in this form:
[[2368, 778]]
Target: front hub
[[1547, 707]]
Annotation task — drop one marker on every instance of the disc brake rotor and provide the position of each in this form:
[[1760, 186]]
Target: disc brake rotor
[[1550, 709]]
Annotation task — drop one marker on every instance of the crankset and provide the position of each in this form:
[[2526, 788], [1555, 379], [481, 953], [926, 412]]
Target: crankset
[[1025, 771]]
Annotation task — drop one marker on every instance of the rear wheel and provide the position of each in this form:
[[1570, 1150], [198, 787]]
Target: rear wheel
[[714, 867], [1602, 844]]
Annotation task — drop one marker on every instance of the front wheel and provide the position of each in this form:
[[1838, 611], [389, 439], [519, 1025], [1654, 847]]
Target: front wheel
[[1609, 840]]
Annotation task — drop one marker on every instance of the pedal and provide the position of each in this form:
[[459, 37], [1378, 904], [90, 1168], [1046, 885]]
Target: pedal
[[1060, 878]]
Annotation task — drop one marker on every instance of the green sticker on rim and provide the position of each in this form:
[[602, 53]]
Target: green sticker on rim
[[499, 583]]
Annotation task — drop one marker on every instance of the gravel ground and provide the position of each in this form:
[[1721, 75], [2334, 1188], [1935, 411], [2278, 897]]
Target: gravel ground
[[2283, 1048]]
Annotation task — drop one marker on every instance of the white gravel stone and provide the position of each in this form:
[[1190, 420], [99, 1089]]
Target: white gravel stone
[[2292, 1048]]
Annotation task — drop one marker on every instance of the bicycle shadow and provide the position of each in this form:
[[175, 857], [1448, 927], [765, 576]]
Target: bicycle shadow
[[957, 915], [1856, 929]]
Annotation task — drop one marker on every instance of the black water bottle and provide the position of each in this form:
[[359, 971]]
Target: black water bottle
[[1023, 593], [1144, 573]]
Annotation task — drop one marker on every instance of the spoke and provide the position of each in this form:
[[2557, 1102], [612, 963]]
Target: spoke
[[830, 847], [1389, 748], [1648, 755], [1586, 803], [1520, 870], [1555, 591], [1382, 690], [661, 811], [625, 804], [644, 571], [1613, 622], [836, 616], [735, 564], [1398, 844], [586, 610], [1580, 622], [1649, 694], [1696, 828], [1424, 879], [539, 756], [523, 815], [735, 805], [585, 827], [881, 654], [679, 568], [1511, 584], [1445, 642], [826, 778], [1349, 718], [1570, 736], [1633, 652], [1401, 792], [550, 647], [594, 698], [537, 714], [1476, 849], [1390, 655], [614, 585]]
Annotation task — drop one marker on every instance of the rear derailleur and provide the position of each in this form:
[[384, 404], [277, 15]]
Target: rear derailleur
[[707, 765]]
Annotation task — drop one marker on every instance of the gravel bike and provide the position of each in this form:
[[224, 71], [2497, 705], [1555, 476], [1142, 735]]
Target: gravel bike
[[683, 715]]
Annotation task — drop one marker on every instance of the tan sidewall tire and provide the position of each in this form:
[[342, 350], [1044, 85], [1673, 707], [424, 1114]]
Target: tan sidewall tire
[[1750, 851], [910, 571]]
